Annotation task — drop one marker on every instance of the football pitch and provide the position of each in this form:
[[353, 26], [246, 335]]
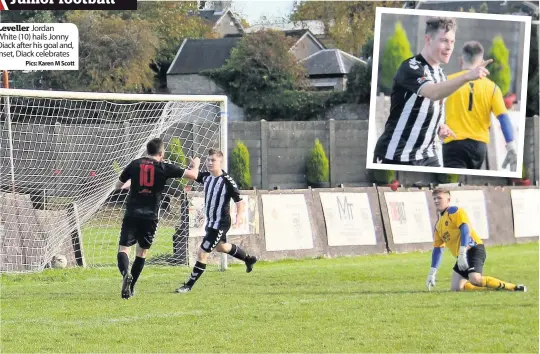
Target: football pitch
[[352, 304]]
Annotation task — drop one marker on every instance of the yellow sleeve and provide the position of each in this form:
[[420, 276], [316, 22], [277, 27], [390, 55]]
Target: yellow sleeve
[[437, 239], [497, 102], [460, 217]]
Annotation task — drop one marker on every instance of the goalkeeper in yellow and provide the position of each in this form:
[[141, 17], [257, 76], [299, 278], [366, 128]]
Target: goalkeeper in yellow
[[453, 230], [468, 114]]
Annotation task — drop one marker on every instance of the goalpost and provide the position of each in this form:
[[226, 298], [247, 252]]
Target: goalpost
[[60, 156]]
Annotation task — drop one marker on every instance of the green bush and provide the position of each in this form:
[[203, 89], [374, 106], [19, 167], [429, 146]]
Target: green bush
[[291, 105], [318, 167], [175, 154], [524, 172], [447, 178], [117, 168], [383, 176], [240, 165], [396, 50], [359, 83], [499, 70]]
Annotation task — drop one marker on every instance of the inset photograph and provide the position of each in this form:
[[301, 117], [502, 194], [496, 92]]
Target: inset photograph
[[448, 92]]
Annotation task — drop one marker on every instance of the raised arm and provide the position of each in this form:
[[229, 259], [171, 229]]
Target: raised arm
[[444, 89]]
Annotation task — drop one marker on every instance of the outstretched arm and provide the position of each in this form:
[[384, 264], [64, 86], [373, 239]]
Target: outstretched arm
[[193, 170], [444, 89]]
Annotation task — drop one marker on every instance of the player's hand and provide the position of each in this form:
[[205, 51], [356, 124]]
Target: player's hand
[[479, 72], [445, 132], [462, 259], [511, 157], [194, 162], [430, 282], [239, 220]]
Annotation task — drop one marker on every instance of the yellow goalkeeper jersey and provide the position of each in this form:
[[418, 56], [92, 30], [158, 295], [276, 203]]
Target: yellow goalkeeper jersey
[[468, 109], [447, 232]]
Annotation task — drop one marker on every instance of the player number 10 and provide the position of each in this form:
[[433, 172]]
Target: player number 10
[[146, 175]]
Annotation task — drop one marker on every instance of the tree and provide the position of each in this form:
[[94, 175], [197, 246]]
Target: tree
[[318, 167], [499, 69], [349, 24], [240, 165], [367, 49], [484, 8], [171, 23], [260, 63], [359, 83], [396, 50], [113, 56]]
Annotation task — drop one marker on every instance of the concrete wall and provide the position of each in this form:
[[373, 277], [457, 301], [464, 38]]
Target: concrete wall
[[279, 151], [337, 83]]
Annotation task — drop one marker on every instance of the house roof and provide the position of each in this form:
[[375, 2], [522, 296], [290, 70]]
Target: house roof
[[196, 55], [214, 18], [330, 62]]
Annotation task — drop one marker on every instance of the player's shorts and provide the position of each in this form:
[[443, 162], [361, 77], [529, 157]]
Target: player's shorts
[[212, 238], [137, 230], [465, 153], [476, 257], [429, 161]]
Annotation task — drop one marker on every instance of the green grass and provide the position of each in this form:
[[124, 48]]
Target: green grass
[[357, 304], [101, 243]]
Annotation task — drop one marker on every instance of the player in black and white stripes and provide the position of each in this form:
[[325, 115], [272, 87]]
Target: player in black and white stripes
[[417, 100], [219, 189]]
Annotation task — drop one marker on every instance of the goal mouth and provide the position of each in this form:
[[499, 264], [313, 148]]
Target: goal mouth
[[61, 154]]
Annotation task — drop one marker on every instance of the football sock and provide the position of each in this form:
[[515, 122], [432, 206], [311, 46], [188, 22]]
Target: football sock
[[136, 269], [237, 252], [198, 270], [494, 283], [123, 262], [470, 287]]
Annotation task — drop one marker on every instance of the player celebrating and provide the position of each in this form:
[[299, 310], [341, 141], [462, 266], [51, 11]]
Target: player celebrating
[[147, 177], [417, 105], [219, 189], [453, 230], [468, 112]]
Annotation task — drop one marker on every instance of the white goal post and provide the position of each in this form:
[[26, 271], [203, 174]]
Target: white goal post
[[61, 154]]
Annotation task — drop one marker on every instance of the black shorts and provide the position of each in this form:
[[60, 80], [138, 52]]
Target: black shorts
[[466, 153], [137, 230], [476, 257], [429, 161], [212, 238]]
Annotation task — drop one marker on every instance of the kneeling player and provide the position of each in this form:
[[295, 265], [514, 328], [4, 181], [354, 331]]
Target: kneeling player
[[219, 189], [454, 231]]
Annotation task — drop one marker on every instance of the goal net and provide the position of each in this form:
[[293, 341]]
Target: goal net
[[61, 154]]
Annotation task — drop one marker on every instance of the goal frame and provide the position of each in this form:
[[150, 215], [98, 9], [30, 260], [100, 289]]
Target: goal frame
[[6, 93]]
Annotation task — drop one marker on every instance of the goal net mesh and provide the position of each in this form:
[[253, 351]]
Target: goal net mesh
[[61, 157]]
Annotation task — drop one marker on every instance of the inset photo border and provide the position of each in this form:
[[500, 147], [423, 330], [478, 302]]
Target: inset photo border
[[404, 126]]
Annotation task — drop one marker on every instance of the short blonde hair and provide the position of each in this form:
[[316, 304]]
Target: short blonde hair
[[215, 152], [438, 191]]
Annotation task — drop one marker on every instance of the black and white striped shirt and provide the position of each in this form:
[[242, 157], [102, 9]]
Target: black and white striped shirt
[[218, 192], [410, 131]]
